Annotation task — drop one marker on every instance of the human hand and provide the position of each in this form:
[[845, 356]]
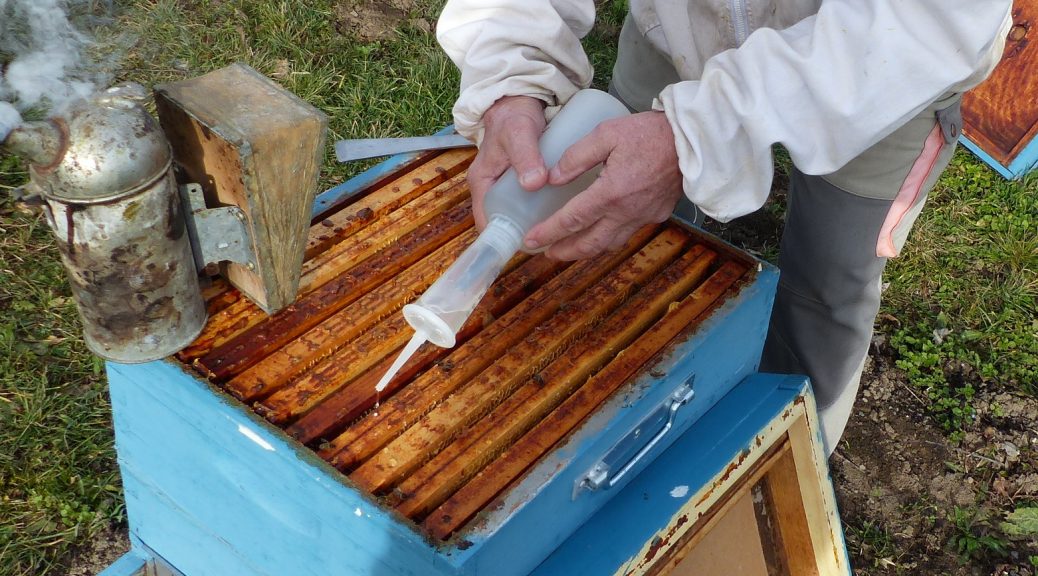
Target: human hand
[[639, 184], [512, 129]]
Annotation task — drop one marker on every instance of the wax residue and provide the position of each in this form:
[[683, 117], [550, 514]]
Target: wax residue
[[416, 341]]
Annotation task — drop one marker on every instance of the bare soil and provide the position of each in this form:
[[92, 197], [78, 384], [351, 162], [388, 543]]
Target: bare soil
[[373, 20], [103, 550], [896, 471]]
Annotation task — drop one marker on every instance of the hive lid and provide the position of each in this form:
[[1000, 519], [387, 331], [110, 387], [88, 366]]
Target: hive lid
[[1001, 115]]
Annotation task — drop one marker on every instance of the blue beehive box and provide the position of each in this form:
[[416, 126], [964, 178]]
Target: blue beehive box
[[213, 488]]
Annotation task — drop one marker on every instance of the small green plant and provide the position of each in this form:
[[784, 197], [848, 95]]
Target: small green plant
[[872, 543], [1021, 523], [923, 362], [972, 536], [964, 291]]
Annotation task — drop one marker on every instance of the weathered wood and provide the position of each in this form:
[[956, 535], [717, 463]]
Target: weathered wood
[[390, 228], [816, 500], [744, 482], [253, 345], [312, 380], [431, 169], [398, 413], [383, 199], [479, 491], [478, 397], [781, 496], [249, 142], [220, 298], [731, 546], [232, 320], [429, 486], [1001, 114], [276, 370], [215, 289], [350, 401]]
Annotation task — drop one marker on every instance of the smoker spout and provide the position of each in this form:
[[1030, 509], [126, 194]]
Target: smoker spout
[[41, 143]]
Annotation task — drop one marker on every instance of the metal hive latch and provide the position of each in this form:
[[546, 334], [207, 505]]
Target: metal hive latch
[[608, 471], [217, 234]]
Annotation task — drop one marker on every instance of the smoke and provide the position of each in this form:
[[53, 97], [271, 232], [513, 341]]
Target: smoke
[[44, 62], [9, 119]]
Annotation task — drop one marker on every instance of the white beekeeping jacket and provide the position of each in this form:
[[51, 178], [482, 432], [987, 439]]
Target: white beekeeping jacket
[[826, 79]]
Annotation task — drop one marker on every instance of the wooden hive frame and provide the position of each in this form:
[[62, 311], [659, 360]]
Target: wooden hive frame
[[776, 518]]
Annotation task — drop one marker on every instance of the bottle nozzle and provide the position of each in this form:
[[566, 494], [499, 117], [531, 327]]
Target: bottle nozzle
[[430, 325], [441, 311]]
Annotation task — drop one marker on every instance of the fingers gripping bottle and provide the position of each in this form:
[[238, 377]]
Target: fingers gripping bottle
[[511, 212]]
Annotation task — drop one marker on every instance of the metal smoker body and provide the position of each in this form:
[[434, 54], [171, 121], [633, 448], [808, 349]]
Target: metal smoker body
[[104, 175]]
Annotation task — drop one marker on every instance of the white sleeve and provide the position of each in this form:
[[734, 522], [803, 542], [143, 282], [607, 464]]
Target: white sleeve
[[514, 47], [826, 88]]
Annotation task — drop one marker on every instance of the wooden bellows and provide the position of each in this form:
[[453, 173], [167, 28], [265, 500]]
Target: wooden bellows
[[252, 144]]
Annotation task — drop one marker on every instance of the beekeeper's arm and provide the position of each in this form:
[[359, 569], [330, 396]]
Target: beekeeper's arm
[[523, 58], [826, 88]]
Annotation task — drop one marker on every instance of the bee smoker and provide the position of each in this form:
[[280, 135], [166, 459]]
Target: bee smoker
[[103, 174]]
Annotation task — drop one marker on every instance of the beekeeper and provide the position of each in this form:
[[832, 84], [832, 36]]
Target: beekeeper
[[863, 94]]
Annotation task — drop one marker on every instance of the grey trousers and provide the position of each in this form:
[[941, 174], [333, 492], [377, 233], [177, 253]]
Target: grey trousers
[[839, 230]]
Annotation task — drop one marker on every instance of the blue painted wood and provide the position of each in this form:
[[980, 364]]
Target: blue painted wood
[[601, 547], [130, 564], [340, 194], [541, 512], [1024, 162], [986, 158], [214, 489]]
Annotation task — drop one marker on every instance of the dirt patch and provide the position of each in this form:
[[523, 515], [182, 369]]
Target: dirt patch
[[102, 551], [899, 480], [758, 232], [373, 20]]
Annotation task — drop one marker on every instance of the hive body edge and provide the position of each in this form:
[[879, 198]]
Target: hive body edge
[[215, 490]]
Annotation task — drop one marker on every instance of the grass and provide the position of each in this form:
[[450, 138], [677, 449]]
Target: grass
[[58, 484], [398, 87], [873, 541], [961, 306], [969, 268]]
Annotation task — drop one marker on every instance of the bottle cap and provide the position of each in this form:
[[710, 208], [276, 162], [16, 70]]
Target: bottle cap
[[503, 235], [428, 322]]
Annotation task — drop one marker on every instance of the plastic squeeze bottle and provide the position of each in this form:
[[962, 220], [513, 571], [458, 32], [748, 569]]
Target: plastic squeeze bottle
[[511, 212]]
